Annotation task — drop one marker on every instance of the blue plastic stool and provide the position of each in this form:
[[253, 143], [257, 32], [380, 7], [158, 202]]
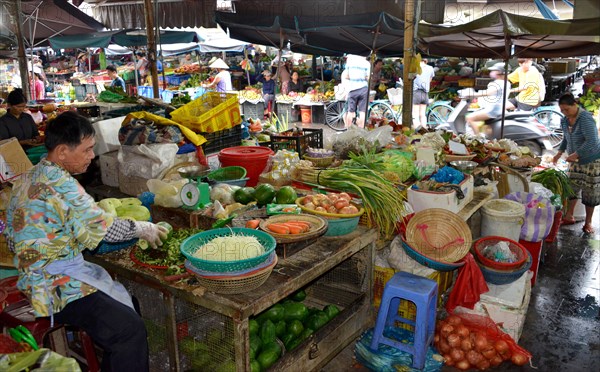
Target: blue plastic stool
[[423, 292]]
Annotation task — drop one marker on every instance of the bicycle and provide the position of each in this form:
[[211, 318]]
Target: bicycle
[[335, 111]]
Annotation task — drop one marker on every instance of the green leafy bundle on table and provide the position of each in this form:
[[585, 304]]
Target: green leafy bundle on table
[[114, 95], [556, 181], [169, 254]]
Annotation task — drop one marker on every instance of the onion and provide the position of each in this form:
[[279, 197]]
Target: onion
[[448, 360], [307, 199], [474, 357], [519, 359], [457, 355], [341, 203], [481, 342], [331, 209], [444, 347], [501, 346], [506, 356], [453, 320], [453, 340], [466, 345], [483, 365], [439, 325], [352, 209], [496, 361], [343, 195], [345, 210], [446, 330], [489, 353], [463, 331], [320, 209], [310, 206], [463, 365]]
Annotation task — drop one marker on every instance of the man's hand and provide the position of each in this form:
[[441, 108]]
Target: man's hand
[[573, 158], [152, 233]]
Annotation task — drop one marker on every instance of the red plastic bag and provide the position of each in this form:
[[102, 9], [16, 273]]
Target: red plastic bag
[[470, 284]]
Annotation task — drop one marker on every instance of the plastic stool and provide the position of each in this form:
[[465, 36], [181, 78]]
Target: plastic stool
[[423, 292]]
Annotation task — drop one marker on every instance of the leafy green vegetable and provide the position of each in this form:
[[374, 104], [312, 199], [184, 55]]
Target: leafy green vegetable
[[168, 255]]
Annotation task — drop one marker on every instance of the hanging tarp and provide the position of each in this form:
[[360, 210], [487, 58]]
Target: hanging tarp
[[90, 40], [127, 38], [495, 35]]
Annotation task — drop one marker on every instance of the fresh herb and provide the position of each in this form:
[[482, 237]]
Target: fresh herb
[[169, 254]]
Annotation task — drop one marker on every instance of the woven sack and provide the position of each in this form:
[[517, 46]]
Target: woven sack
[[439, 234]]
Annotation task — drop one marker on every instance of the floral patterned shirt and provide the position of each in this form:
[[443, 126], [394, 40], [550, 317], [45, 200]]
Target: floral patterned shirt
[[51, 217]]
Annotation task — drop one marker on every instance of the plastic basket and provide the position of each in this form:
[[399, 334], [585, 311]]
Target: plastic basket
[[253, 110], [211, 112], [515, 247], [217, 141], [311, 138], [320, 162], [191, 245], [428, 261], [361, 210], [112, 247], [234, 285], [504, 277], [176, 79], [341, 226], [227, 174]]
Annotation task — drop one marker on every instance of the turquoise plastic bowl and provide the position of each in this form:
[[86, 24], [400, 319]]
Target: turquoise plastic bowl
[[191, 245], [341, 226]]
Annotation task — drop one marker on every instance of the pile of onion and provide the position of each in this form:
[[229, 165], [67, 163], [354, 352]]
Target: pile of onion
[[465, 349]]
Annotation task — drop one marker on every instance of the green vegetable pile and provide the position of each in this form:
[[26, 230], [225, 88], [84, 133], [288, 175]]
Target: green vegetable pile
[[115, 94], [392, 164], [291, 322], [181, 100], [556, 181], [168, 255]]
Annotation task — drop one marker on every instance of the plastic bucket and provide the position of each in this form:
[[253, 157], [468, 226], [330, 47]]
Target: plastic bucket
[[501, 217], [306, 115], [253, 158]]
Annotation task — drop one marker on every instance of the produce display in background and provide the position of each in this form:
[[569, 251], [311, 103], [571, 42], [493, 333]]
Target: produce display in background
[[131, 208], [286, 323], [556, 181], [591, 100], [472, 341], [115, 94], [187, 69]]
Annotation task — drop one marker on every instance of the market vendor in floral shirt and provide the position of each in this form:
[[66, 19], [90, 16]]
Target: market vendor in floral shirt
[[51, 220]]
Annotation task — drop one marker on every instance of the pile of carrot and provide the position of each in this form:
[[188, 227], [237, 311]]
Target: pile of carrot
[[289, 227]]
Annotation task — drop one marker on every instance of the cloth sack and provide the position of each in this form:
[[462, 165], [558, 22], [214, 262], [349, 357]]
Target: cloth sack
[[539, 215], [140, 131]]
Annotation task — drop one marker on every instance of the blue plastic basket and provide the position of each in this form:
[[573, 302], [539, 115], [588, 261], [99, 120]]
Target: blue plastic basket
[[426, 261], [191, 245], [341, 226], [504, 277], [105, 247], [189, 266]]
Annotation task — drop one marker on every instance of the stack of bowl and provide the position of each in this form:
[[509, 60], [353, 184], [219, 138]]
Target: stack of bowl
[[497, 271], [231, 276]]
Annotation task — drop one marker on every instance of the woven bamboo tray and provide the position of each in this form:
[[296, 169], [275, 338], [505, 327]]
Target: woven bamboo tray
[[318, 227]]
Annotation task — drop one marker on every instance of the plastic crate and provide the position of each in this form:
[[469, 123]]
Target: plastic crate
[[177, 79], [210, 113], [311, 138], [217, 141], [253, 110], [287, 112]]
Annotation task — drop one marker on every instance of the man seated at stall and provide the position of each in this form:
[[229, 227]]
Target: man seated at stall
[[117, 81], [268, 91]]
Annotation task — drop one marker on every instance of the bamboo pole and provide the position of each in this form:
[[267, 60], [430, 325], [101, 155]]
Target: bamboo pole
[[149, 16], [407, 93], [18, 23]]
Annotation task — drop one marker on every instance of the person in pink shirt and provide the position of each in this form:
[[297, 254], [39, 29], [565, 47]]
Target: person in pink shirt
[[37, 89]]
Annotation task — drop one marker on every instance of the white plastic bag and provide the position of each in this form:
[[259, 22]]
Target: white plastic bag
[[146, 161]]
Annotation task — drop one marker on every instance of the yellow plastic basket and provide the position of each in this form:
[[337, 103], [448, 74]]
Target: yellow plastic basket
[[212, 112]]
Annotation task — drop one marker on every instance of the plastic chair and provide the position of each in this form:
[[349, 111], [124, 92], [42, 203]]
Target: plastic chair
[[423, 293]]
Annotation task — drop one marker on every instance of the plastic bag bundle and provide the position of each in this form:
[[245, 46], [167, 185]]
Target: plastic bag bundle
[[448, 175], [389, 359]]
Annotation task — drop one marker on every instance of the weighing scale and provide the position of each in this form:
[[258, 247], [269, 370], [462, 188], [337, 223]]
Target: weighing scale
[[195, 194]]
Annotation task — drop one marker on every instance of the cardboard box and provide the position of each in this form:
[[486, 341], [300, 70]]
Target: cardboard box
[[421, 200], [13, 160]]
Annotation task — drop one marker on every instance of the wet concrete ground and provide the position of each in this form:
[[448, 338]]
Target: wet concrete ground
[[562, 327]]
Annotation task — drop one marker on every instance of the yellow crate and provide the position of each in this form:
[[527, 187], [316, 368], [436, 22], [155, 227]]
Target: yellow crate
[[407, 309], [467, 83], [210, 113]]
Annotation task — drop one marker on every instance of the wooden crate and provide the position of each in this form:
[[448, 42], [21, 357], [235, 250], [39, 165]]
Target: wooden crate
[[181, 218]]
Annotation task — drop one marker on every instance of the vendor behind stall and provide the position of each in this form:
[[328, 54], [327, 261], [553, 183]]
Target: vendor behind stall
[[117, 81], [51, 220], [17, 123], [222, 81], [82, 63], [295, 85], [268, 91]]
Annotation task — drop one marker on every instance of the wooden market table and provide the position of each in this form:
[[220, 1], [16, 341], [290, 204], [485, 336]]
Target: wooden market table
[[332, 270]]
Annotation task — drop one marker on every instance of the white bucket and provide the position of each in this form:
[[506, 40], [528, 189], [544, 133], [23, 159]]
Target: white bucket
[[501, 217]]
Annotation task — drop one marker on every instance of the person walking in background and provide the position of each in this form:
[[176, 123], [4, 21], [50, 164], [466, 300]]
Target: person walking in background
[[268, 90], [117, 81], [491, 99], [582, 145], [37, 89], [141, 65], [421, 86], [531, 89], [356, 79]]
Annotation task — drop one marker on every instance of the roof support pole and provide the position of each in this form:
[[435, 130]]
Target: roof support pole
[[149, 16], [18, 21], [407, 92]]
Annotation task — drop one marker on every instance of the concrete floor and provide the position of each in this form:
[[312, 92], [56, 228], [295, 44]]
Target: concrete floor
[[562, 325]]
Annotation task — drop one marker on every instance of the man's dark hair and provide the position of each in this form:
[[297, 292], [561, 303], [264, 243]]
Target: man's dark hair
[[567, 99], [69, 128], [111, 68], [16, 97], [378, 60]]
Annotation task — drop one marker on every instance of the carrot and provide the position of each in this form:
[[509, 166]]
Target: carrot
[[295, 229], [303, 223], [278, 228], [304, 227], [252, 224]]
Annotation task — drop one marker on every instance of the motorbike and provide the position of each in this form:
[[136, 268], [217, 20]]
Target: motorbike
[[519, 126]]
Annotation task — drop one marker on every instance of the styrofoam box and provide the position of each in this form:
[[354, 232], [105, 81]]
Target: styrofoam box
[[109, 169], [107, 135], [506, 305], [421, 200]]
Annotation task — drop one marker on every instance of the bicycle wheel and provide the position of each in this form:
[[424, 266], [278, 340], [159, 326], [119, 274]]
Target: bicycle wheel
[[334, 115], [551, 120], [438, 114], [379, 111]]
